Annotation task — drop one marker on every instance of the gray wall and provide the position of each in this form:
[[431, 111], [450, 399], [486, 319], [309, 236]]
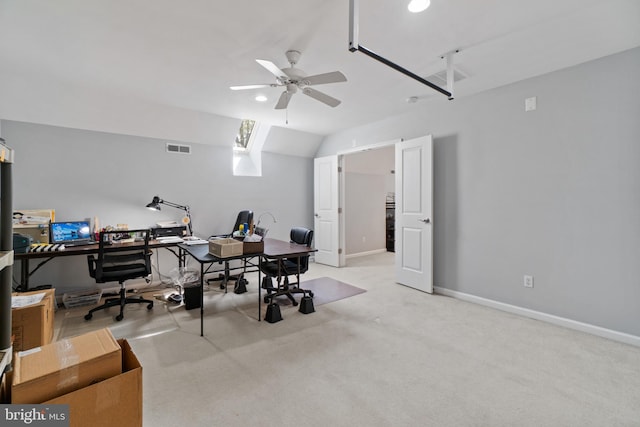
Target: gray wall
[[82, 174], [364, 212], [554, 193]]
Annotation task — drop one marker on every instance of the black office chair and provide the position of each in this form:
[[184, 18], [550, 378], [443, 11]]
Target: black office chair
[[244, 217], [283, 268], [119, 262]]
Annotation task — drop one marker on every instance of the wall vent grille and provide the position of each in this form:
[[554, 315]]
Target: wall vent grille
[[178, 149]]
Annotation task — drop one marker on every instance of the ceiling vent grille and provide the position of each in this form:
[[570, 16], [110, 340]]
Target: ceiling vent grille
[[178, 149], [440, 78]]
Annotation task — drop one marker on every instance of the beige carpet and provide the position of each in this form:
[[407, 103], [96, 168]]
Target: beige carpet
[[391, 356]]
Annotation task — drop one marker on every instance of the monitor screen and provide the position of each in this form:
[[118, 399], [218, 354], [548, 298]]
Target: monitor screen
[[70, 231]]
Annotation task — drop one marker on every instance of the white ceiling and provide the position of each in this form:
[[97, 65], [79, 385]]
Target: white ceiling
[[61, 60]]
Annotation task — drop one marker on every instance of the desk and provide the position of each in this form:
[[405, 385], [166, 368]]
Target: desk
[[273, 249], [24, 258]]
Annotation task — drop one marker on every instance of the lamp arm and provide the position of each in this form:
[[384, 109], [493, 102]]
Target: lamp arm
[[184, 208], [174, 205], [266, 213]]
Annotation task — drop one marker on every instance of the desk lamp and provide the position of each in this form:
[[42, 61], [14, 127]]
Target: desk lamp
[[263, 231], [155, 206]]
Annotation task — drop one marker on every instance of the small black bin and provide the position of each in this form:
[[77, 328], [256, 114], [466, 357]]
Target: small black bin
[[191, 295]]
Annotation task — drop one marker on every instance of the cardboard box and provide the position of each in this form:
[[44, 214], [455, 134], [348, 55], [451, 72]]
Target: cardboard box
[[253, 247], [33, 216], [55, 369], [39, 233], [116, 401], [224, 248], [32, 326]]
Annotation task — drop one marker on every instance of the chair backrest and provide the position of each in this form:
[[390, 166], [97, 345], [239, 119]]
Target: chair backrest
[[243, 217], [119, 259], [302, 236]]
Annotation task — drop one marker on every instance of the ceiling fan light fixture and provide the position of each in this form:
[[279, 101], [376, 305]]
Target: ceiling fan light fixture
[[261, 98], [417, 6]]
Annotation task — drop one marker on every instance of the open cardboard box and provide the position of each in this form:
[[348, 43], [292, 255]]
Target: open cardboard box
[[116, 401]]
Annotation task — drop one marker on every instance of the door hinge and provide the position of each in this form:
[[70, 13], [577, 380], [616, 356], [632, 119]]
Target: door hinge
[[339, 251], [339, 210], [339, 169]]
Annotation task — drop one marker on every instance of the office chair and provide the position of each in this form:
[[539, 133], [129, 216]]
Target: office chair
[[285, 267], [119, 262], [244, 217]]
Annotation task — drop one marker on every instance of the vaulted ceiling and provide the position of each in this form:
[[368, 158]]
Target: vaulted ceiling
[[146, 65]]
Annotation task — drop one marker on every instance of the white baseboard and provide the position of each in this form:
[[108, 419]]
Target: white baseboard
[[538, 315], [359, 254]]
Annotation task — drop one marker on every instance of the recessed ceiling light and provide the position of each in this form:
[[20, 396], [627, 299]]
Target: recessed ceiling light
[[261, 98], [416, 6]]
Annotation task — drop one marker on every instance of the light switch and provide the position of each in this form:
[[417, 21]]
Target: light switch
[[530, 104]]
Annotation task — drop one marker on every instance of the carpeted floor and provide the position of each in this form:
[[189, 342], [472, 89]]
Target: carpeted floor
[[391, 356]]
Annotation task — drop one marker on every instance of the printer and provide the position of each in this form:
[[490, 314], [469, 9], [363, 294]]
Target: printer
[[177, 230], [21, 243]]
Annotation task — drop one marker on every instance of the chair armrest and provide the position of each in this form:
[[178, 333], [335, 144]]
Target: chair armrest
[[91, 261]]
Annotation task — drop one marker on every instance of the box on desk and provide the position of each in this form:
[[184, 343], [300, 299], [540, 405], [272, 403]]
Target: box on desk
[[39, 233], [55, 369], [32, 325], [225, 248], [253, 247]]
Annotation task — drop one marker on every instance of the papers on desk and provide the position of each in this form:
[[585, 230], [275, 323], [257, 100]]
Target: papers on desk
[[196, 241], [169, 239]]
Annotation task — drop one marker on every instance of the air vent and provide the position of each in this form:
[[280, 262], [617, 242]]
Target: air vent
[[440, 78], [178, 149]]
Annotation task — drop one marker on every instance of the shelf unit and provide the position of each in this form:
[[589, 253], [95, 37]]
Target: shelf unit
[[6, 255]]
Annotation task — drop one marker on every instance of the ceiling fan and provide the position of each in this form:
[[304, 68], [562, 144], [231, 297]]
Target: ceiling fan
[[293, 78]]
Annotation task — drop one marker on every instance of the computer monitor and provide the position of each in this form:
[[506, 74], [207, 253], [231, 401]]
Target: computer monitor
[[70, 232]]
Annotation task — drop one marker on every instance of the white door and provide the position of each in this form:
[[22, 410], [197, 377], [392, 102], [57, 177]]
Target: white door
[[414, 213], [326, 205]]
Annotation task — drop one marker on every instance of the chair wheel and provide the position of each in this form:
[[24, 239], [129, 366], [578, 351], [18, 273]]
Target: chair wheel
[[265, 299], [295, 303], [119, 317], [150, 306], [311, 294], [88, 316]]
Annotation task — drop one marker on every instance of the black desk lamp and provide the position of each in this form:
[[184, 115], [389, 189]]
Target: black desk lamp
[[157, 201]]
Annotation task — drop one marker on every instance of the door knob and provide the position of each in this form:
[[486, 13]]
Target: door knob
[[316, 215], [426, 220]]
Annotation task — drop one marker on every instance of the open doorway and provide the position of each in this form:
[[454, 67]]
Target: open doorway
[[368, 201]]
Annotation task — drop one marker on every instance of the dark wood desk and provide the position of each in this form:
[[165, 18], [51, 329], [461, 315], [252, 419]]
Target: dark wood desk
[[273, 249], [45, 257]]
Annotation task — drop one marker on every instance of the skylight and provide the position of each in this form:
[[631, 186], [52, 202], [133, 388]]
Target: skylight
[[243, 139]]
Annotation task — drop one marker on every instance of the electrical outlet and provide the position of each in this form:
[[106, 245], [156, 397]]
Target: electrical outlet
[[528, 281]]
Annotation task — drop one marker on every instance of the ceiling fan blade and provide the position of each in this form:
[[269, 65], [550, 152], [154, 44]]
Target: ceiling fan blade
[[322, 97], [252, 86], [271, 67], [284, 100], [320, 79]]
